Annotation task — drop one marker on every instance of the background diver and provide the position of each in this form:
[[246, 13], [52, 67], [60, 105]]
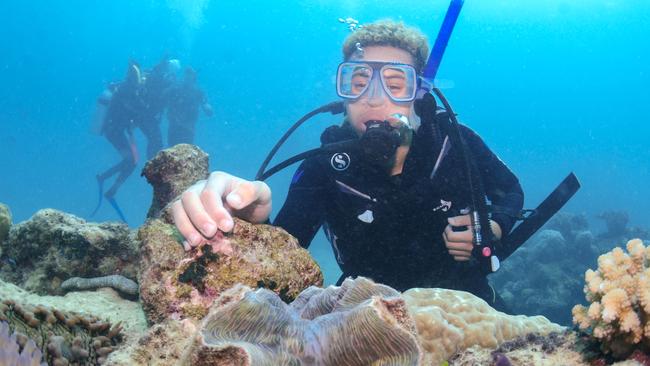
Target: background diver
[[122, 102], [185, 101]]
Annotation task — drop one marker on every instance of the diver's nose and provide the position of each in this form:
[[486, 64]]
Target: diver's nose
[[376, 96]]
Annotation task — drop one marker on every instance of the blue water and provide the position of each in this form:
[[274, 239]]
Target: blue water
[[552, 86]]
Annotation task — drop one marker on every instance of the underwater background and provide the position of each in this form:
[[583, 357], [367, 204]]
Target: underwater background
[[552, 86]]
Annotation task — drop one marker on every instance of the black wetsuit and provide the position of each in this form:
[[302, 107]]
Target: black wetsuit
[[390, 228], [183, 112]]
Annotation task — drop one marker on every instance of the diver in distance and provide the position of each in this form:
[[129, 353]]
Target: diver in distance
[[122, 103], [155, 94], [186, 100]]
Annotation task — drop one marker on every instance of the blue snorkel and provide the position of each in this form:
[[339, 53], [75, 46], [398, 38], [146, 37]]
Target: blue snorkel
[[435, 57]]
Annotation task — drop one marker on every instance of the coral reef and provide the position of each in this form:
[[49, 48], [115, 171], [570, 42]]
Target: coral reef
[[5, 222], [179, 284], [616, 222], [63, 338], [17, 350], [568, 224], [450, 321], [353, 325], [171, 172], [117, 282], [53, 246], [553, 261], [552, 266], [618, 293]]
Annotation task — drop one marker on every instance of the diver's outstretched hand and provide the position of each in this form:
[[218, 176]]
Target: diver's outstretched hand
[[209, 205]]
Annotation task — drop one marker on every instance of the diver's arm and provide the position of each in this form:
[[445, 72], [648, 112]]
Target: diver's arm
[[303, 211], [500, 183]]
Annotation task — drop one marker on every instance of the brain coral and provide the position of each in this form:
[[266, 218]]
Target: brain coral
[[451, 321], [619, 296]]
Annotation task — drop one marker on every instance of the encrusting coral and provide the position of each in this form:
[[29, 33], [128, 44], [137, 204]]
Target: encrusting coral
[[618, 315], [178, 284], [63, 338], [171, 172]]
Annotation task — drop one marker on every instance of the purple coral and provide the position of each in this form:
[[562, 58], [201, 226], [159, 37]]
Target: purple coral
[[10, 353]]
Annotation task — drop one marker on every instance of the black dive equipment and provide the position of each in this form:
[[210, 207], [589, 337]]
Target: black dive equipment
[[485, 244], [488, 250]]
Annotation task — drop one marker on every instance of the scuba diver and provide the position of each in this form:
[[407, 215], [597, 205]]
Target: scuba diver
[[400, 187], [122, 104], [155, 95], [185, 100]]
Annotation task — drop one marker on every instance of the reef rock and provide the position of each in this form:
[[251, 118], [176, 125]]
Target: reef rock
[[5, 222], [360, 323], [53, 246], [179, 284], [172, 171], [450, 321]]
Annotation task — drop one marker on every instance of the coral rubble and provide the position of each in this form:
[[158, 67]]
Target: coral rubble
[[618, 292], [53, 246], [179, 284]]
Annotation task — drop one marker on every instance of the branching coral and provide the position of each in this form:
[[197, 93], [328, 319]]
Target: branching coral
[[619, 294]]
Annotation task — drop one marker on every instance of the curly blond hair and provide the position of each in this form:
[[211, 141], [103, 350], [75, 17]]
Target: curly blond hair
[[389, 33]]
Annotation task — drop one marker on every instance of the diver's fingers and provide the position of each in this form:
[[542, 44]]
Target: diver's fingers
[[184, 225], [253, 199], [458, 248], [462, 220], [217, 186], [196, 212], [458, 236]]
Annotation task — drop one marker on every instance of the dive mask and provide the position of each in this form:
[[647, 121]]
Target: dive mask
[[397, 81]]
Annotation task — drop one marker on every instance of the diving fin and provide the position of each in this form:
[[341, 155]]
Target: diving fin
[[549, 207], [117, 208], [100, 185]]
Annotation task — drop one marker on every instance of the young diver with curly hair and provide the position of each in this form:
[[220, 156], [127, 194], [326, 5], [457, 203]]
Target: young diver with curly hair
[[393, 206]]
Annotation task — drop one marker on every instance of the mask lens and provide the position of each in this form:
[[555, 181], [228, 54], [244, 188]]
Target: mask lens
[[353, 79], [399, 81]]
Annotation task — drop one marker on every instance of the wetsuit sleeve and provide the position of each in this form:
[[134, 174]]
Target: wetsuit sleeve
[[304, 209], [501, 185]]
